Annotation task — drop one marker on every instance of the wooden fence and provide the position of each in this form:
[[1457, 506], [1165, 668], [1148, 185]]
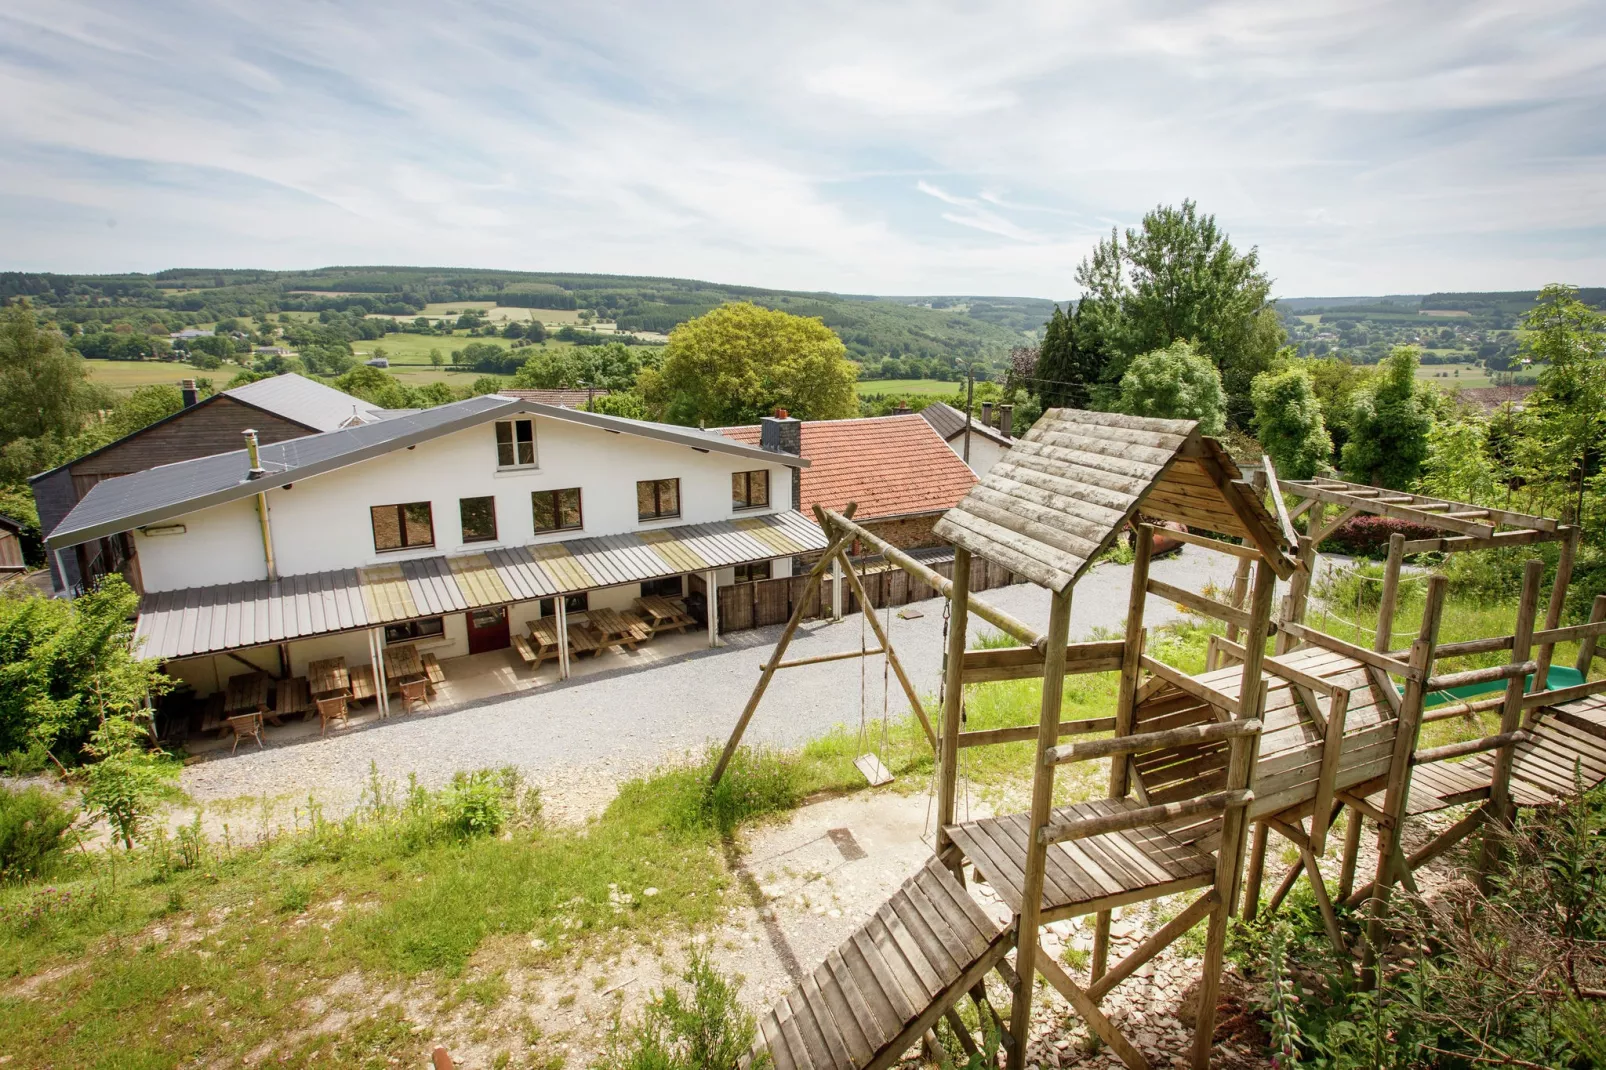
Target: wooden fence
[[765, 602]]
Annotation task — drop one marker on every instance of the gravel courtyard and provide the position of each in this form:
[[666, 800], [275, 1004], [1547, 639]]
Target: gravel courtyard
[[579, 740]]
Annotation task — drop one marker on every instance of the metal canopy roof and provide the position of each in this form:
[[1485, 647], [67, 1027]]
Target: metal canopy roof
[[208, 620], [1066, 488], [171, 490]]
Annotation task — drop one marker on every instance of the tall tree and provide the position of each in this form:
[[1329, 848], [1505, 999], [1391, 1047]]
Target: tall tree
[[736, 363], [1288, 420], [1177, 277], [43, 385], [1174, 383], [1389, 425], [1566, 416]]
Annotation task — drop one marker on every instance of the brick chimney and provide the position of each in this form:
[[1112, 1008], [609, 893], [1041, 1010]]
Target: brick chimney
[[987, 414], [1006, 420], [902, 409], [781, 434], [186, 388]]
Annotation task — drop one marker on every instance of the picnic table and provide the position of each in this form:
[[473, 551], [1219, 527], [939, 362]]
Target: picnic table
[[544, 634], [402, 664], [614, 628], [294, 697], [328, 677], [247, 693], [663, 614]]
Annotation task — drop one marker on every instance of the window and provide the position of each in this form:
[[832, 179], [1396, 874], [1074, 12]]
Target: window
[[573, 603], [428, 628], [670, 587], [556, 510], [515, 443], [749, 490], [402, 527], [479, 519], [757, 571], [657, 498]]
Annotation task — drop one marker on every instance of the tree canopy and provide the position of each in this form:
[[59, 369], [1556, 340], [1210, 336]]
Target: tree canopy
[[1288, 421], [1389, 425], [740, 361], [1069, 362], [1174, 383]]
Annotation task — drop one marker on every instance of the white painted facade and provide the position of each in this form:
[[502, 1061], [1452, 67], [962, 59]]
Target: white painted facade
[[324, 522], [984, 452]]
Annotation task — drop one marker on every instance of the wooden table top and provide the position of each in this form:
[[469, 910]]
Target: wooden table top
[[247, 693], [610, 622], [402, 662], [328, 677], [659, 608], [545, 631]]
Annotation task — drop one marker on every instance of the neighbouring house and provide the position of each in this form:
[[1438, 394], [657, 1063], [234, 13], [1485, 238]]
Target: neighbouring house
[[11, 559], [902, 475], [378, 362], [569, 399], [987, 443], [283, 407], [455, 531]]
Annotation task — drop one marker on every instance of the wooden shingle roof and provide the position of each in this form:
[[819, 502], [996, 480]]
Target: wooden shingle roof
[[1064, 491]]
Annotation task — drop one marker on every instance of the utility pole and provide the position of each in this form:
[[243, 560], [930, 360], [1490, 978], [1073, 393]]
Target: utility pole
[[970, 393]]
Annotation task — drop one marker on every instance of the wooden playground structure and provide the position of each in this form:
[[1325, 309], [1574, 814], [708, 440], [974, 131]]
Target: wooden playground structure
[[1260, 742]]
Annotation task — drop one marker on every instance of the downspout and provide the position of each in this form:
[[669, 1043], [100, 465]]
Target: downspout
[[257, 472]]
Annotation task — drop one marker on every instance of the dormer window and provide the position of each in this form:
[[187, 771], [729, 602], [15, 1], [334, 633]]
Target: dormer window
[[515, 443]]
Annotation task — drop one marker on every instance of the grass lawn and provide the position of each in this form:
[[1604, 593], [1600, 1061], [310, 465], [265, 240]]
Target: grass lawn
[[870, 387], [1449, 376], [129, 375]]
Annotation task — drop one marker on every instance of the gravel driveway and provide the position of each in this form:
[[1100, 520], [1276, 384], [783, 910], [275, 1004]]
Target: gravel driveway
[[578, 740]]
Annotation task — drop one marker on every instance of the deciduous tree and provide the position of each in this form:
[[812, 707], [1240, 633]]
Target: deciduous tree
[[1288, 421], [1389, 425], [1174, 383]]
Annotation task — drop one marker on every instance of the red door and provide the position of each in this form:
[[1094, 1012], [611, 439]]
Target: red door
[[487, 629]]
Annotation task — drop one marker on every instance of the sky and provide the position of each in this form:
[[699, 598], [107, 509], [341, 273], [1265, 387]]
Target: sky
[[890, 148]]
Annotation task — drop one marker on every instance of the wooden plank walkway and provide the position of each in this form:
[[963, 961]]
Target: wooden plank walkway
[[1086, 875], [876, 995]]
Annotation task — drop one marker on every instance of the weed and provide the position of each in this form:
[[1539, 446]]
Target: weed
[[35, 827], [705, 1029], [296, 896]]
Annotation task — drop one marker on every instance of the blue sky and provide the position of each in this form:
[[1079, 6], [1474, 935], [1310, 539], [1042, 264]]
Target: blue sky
[[883, 148]]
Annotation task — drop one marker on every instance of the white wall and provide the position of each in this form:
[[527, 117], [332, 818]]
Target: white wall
[[984, 452], [323, 522]]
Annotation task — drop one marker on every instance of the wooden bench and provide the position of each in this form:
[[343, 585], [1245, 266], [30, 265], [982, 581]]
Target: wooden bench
[[640, 630], [663, 615], [294, 698], [526, 652], [433, 671]]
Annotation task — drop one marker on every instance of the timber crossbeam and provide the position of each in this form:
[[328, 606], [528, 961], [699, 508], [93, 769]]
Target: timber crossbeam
[[1471, 746], [985, 737], [1144, 742], [1026, 662], [1082, 828], [1182, 681]]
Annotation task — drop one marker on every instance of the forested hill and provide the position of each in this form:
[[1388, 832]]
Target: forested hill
[[924, 328]]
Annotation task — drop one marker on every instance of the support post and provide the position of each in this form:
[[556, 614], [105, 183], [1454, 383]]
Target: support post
[[1500, 805], [836, 589], [1255, 872], [1383, 638], [710, 580], [1558, 601], [1240, 576], [1048, 730], [561, 610], [953, 704], [1229, 856], [1587, 645], [1299, 586], [1352, 849], [1396, 795], [381, 684], [1251, 699]]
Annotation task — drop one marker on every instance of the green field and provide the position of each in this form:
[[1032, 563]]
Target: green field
[[132, 374], [1449, 376], [870, 387]]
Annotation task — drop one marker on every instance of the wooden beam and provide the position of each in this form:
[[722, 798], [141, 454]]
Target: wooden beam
[[908, 686], [1588, 644], [1149, 741], [1558, 599], [1238, 550], [1082, 828], [1201, 691], [1502, 516], [1199, 603], [1327, 529], [1089, 1012], [1327, 779], [1560, 695], [1129, 694], [1153, 945], [953, 703], [1499, 540], [1359, 653], [986, 737], [1234, 494], [1481, 676], [1277, 500], [992, 615], [1354, 499], [820, 659], [1469, 746], [1026, 662]]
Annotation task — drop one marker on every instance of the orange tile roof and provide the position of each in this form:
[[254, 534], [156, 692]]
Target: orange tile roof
[[890, 465]]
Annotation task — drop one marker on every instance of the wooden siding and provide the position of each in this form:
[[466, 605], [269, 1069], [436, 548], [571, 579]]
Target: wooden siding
[[201, 431]]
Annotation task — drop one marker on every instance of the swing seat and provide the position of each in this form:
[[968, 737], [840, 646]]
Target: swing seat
[[872, 769]]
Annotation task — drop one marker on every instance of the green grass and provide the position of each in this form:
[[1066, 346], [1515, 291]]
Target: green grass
[[870, 387], [129, 375], [1444, 375]]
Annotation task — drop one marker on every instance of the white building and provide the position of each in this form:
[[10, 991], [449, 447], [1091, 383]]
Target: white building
[[452, 528], [985, 446]]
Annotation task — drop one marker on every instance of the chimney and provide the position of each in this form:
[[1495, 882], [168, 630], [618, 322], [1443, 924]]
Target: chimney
[[186, 387], [257, 471], [987, 414], [781, 434], [1006, 420], [902, 409]]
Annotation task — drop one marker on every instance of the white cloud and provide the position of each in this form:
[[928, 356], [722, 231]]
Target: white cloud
[[1363, 146]]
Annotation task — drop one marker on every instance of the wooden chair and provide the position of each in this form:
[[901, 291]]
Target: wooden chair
[[414, 693], [330, 709], [245, 726]]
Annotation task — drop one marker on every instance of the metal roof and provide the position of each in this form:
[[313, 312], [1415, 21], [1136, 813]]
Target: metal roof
[[172, 490], [949, 422], [309, 403], [207, 620]]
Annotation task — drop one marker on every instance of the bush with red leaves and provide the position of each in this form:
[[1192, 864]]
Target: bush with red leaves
[[1368, 536]]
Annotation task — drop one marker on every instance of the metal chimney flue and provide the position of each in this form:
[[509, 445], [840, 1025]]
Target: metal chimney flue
[[987, 414], [1006, 420], [257, 471], [187, 389]]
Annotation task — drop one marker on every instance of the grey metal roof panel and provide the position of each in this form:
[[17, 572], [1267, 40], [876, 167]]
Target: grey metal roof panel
[[169, 491], [303, 400], [206, 620], [948, 422]]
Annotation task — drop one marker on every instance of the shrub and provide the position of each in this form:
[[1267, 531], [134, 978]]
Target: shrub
[[757, 782], [707, 1029], [33, 830], [1368, 536], [474, 804]]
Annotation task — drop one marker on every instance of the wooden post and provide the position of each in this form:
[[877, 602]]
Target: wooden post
[[1126, 707], [1558, 601], [710, 580], [1352, 849], [1299, 587], [1587, 645], [1396, 795], [560, 609], [1500, 806], [1240, 577], [868, 609], [1229, 856], [381, 685], [786, 639], [1254, 873], [1383, 638], [953, 703], [1048, 731], [1251, 699], [836, 589]]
